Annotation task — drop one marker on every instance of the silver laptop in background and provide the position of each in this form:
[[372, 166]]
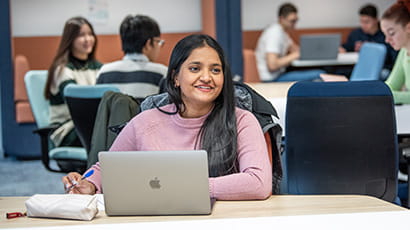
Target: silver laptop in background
[[319, 46], [155, 182]]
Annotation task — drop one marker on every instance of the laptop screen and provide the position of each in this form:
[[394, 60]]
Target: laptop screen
[[319, 46]]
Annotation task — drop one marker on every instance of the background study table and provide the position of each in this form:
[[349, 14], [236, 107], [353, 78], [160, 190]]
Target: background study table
[[349, 58], [276, 93]]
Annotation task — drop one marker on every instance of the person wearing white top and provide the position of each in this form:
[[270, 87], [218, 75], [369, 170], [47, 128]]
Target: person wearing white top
[[276, 50]]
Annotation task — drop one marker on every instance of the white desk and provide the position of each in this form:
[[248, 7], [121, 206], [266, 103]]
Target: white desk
[[279, 211], [403, 119], [279, 103], [349, 58], [402, 115], [372, 220], [276, 93]]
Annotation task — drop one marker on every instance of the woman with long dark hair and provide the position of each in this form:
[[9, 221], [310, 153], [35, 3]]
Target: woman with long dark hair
[[202, 115], [74, 63]]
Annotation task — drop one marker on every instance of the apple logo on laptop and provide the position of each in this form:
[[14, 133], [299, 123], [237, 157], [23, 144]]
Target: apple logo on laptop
[[154, 183]]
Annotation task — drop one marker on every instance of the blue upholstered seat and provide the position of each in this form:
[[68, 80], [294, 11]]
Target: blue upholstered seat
[[67, 158], [341, 139], [370, 63]]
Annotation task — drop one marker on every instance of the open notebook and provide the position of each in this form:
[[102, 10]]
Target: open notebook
[[155, 182]]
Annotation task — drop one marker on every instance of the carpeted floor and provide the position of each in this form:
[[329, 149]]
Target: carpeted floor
[[26, 178]]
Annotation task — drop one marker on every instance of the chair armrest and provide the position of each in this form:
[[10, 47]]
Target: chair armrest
[[406, 153], [45, 131], [44, 134]]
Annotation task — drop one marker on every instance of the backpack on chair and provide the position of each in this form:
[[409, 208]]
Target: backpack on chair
[[248, 99]]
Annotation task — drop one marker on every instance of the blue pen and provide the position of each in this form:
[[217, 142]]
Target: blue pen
[[74, 183]]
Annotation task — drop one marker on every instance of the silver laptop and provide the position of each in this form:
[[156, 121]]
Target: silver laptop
[[155, 182], [319, 46]]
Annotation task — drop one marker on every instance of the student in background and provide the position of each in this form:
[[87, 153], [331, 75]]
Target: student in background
[[395, 24], [369, 31], [276, 50], [137, 74], [74, 63], [202, 115]]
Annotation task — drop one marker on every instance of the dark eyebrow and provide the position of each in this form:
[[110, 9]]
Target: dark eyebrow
[[199, 63]]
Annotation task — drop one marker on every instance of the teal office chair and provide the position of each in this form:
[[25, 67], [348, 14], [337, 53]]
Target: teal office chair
[[370, 63], [67, 158], [341, 139], [83, 102]]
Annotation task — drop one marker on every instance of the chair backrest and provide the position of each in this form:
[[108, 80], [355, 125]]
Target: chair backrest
[[21, 102], [341, 139], [83, 104], [35, 81], [250, 71], [370, 63], [21, 67]]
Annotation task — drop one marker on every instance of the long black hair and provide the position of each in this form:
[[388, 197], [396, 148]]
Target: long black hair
[[218, 133]]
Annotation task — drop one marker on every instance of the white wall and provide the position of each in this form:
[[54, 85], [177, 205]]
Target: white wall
[[257, 14], [47, 17]]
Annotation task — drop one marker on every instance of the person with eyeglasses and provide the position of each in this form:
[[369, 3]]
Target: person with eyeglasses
[[395, 24], [276, 50], [137, 74]]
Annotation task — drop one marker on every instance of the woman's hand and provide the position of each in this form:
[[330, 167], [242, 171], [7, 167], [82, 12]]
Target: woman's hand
[[80, 186]]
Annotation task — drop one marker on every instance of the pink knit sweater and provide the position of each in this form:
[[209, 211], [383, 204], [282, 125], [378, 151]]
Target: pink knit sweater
[[154, 130]]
